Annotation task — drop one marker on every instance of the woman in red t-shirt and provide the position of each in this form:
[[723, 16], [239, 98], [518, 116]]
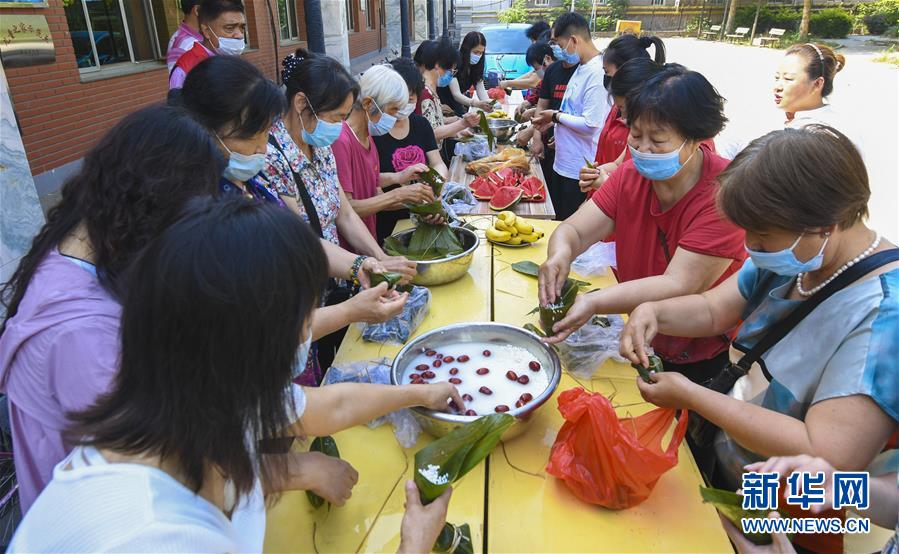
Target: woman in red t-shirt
[[660, 204]]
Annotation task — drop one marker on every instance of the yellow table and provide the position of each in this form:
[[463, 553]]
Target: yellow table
[[526, 510]]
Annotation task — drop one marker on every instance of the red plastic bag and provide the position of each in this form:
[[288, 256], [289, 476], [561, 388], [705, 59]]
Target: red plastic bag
[[610, 461]]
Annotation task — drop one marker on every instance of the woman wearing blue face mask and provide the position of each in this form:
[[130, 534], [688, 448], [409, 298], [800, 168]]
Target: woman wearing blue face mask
[[830, 387], [232, 99], [383, 98], [437, 61], [660, 205], [470, 74]]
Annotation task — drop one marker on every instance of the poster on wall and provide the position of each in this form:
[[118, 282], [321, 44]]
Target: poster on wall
[[23, 3], [25, 40]]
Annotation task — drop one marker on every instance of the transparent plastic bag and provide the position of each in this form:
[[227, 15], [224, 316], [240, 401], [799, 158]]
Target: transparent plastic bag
[[473, 149], [405, 428], [585, 350], [457, 199], [594, 261], [398, 329]]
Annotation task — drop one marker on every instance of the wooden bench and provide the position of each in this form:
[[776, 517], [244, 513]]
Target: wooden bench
[[773, 38], [739, 34], [713, 32]]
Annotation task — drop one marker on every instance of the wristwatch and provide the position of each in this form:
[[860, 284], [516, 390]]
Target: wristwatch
[[555, 117]]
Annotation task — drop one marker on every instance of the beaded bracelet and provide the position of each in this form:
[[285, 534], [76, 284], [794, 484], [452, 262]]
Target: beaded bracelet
[[357, 265]]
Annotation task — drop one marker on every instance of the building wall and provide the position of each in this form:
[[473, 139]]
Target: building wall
[[370, 31]]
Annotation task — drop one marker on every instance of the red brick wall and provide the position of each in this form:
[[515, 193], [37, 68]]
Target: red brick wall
[[61, 118]]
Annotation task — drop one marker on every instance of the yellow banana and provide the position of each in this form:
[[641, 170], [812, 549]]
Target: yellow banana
[[498, 236], [537, 231], [515, 241], [507, 217], [529, 238], [524, 227], [513, 231], [501, 225]]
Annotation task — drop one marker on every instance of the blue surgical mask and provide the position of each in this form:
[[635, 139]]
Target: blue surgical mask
[[302, 357], [445, 79], [475, 58], [324, 134], [229, 46], [383, 125], [564, 55], [785, 262], [658, 167], [406, 111], [241, 167]]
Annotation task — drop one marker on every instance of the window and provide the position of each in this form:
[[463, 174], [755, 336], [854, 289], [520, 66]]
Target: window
[[369, 12], [350, 15], [541, 2], [287, 14], [658, 2], [106, 32]]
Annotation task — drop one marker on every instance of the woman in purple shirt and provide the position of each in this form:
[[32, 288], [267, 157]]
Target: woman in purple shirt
[[59, 342]]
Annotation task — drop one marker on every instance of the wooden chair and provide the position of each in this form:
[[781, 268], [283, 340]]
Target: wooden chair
[[773, 38], [712, 33], [739, 34]]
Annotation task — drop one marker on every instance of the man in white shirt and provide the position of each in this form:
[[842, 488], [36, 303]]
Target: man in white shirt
[[584, 109]]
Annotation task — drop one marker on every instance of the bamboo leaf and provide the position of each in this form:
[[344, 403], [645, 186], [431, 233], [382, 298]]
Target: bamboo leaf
[[328, 446], [730, 505], [388, 277], [527, 267], [485, 128], [448, 538]]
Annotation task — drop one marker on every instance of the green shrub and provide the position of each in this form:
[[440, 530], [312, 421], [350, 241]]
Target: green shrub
[[831, 23], [769, 17], [515, 14], [693, 25], [889, 9], [604, 23], [892, 32], [876, 23]]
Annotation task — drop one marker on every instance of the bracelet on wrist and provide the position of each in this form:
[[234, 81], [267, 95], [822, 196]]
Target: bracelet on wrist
[[357, 266]]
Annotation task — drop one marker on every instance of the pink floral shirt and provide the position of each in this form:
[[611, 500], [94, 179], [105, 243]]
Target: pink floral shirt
[[319, 175]]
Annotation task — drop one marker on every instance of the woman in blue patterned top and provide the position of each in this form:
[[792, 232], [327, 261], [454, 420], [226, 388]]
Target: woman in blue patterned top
[[830, 387]]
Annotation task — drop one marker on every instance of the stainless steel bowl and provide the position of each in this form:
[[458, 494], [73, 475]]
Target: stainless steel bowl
[[444, 270], [439, 424], [502, 128]]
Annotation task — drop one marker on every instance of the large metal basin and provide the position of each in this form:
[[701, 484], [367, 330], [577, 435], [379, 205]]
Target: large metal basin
[[444, 270], [441, 423]]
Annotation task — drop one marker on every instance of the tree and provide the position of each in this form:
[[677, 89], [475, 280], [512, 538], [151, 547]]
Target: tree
[[806, 16], [731, 14]]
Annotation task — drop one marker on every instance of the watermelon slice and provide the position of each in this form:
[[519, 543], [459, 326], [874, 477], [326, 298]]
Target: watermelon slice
[[533, 188], [505, 198], [483, 189]]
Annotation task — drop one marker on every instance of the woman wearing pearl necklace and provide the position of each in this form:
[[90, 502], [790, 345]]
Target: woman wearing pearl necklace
[[828, 388]]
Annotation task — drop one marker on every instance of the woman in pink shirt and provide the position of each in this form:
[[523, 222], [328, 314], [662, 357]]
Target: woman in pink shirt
[[383, 100], [59, 343]]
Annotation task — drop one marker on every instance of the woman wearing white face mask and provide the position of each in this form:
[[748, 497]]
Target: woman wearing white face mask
[[383, 98], [829, 387], [470, 73], [223, 25], [661, 207]]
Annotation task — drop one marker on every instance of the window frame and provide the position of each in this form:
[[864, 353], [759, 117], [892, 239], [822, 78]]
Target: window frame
[[149, 15], [292, 19]]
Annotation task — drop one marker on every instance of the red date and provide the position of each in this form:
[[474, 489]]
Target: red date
[[467, 397], [430, 352], [429, 374], [519, 404], [526, 397], [448, 359], [511, 375], [482, 371], [437, 363], [463, 358], [454, 371], [486, 353], [523, 379], [455, 380], [485, 390], [471, 413], [422, 367], [414, 376], [502, 408], [534, 365]]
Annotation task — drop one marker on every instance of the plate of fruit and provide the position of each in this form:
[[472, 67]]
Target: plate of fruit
[[497, 368], [510, 230]]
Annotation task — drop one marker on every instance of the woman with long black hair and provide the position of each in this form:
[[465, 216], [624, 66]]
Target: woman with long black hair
[[59, 341], [167, 459], [239, 106], [470, 74]]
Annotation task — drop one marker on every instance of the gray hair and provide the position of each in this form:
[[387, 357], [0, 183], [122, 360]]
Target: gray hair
[[384, 85]]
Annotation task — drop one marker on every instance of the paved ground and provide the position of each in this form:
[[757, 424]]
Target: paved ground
[[868, 90]]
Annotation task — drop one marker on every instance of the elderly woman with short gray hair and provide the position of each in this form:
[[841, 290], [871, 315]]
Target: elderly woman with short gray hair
[[383, 99]]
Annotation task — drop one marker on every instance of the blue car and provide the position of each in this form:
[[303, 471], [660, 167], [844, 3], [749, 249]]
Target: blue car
[[506, 48]]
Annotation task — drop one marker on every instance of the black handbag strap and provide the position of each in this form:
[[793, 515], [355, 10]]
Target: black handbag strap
[[780, 329], [311, 212]]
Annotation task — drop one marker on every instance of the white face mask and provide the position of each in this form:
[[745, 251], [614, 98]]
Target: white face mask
[[229, 46], [302, 356], [405, 111]]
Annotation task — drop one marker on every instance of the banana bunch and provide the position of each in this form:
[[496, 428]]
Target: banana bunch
[[498, 114], [510, 229]]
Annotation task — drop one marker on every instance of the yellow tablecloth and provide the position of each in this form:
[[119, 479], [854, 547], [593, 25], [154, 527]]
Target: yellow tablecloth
[[524, 509]]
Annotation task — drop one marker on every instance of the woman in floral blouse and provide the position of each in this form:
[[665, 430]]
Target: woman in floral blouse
[[437, 62], [300, 165]]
